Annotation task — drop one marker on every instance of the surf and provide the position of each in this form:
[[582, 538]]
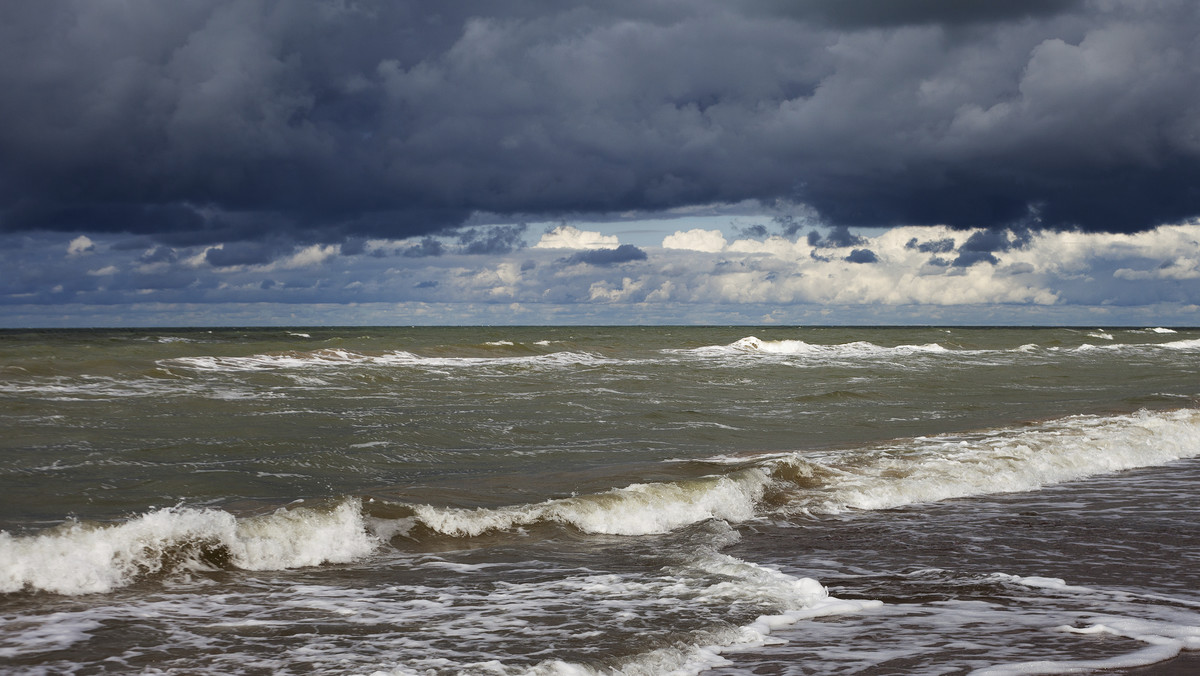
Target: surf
[[905, 472], [82, 557]]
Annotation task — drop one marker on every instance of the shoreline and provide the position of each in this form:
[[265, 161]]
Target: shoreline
[[1186, 663]]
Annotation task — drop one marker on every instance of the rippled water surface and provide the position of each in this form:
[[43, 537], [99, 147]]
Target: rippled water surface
[[599, 500]]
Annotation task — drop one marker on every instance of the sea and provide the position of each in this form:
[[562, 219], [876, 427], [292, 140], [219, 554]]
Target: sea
[[600, 500]]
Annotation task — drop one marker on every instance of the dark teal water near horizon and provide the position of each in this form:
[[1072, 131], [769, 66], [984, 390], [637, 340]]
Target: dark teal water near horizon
[[613, 500]]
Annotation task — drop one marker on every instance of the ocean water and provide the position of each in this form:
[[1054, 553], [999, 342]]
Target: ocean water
[[600, 500]]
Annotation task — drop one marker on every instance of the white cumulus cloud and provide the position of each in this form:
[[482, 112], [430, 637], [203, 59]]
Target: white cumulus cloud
[[310, 256], [80, 245], [570, 237], [711, 241]]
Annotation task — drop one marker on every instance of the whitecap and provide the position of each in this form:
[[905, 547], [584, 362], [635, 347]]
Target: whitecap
[[637, 509], [1182, 345], [80, 558], [1007, 460], [333, 358], [799, 348], [923, 469]]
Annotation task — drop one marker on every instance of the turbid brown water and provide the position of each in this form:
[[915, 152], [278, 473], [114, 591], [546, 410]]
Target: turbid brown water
[[599, 500]]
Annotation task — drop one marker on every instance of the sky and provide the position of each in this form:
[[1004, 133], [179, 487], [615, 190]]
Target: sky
[[338, 162]]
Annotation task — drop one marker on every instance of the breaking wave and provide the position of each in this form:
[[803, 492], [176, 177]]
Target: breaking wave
[[857, 349], [751, 346], [80, 558], [1181, 345], [925, 469], [328, 358]]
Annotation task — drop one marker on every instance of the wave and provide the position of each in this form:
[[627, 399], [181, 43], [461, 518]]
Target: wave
[[929, 469], [799, 348], [637, 509], [1181, 345], [327, 358], [802, 598], [81, 558], [709, 579], [863, 350], [925, 469], [61, 388]]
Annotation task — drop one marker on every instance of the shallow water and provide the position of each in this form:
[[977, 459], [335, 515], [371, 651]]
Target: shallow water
[[598, 500]]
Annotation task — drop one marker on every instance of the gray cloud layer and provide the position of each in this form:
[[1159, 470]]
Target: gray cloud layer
[[200, 122]]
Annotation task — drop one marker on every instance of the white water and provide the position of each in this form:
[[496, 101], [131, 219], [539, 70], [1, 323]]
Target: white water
[[79, 558], [937, 468], [866, 351], [335, 357], [852, 350], [925, 469], [638, 509], [1163, 640], [710, 579]]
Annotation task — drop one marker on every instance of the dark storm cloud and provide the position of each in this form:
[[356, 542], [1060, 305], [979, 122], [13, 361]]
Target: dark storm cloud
[[756, 231], [200, 122], [839, 236], [159, 254], [498, 239], [968, 258], [427, 247], [354, 246], [862, 256], [882, 13], [986, 242], [981, 246], [243, 253], [601, 257], [945, 245], [789, 225]]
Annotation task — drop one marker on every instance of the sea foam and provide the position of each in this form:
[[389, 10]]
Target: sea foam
[[799, 348], [856, 351], [334, 358], [637, 509], [1163, 642], [80, 558], [929, 469], [708, 579], [924, 469]]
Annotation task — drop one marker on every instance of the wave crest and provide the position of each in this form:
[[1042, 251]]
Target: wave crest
[[924, 469], [637, 509], [329, 358], [80, 558], [799, 348]]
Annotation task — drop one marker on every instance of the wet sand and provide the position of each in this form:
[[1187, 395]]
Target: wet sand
[[1186, 664]]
